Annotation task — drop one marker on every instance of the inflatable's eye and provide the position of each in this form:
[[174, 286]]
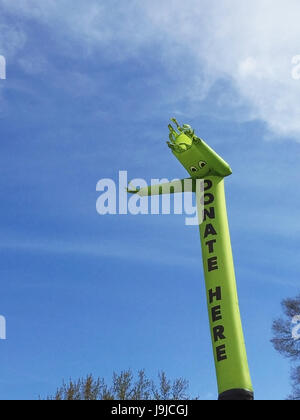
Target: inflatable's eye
[[193, 169], [202, 164]]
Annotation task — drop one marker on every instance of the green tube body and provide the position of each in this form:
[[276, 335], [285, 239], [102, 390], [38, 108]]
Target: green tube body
[[229, 349], [203, 163]]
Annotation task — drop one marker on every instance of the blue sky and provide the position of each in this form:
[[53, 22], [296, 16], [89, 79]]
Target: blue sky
[[89, 91]]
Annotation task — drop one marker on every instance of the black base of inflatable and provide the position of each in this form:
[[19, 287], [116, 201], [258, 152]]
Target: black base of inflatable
[[236, 395]]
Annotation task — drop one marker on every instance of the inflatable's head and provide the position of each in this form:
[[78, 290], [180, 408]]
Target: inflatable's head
[[194, 154]]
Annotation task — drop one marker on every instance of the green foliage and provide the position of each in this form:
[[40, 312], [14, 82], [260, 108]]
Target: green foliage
[[286, 344], [124, 387]]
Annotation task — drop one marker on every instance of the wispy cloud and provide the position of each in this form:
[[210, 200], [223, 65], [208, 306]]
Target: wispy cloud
[[104, 248], [250, 45]]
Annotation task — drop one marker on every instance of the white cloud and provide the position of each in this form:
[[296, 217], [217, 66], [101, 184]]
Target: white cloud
[[104, 248], [249, 44]]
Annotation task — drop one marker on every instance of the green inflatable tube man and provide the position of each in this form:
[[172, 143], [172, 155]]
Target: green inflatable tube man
[[203, 163]]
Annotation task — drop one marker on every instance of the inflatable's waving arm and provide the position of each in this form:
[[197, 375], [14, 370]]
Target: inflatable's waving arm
[[176, 186]]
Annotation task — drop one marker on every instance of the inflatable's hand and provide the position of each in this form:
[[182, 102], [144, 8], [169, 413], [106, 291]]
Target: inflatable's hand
[[132, 189]]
